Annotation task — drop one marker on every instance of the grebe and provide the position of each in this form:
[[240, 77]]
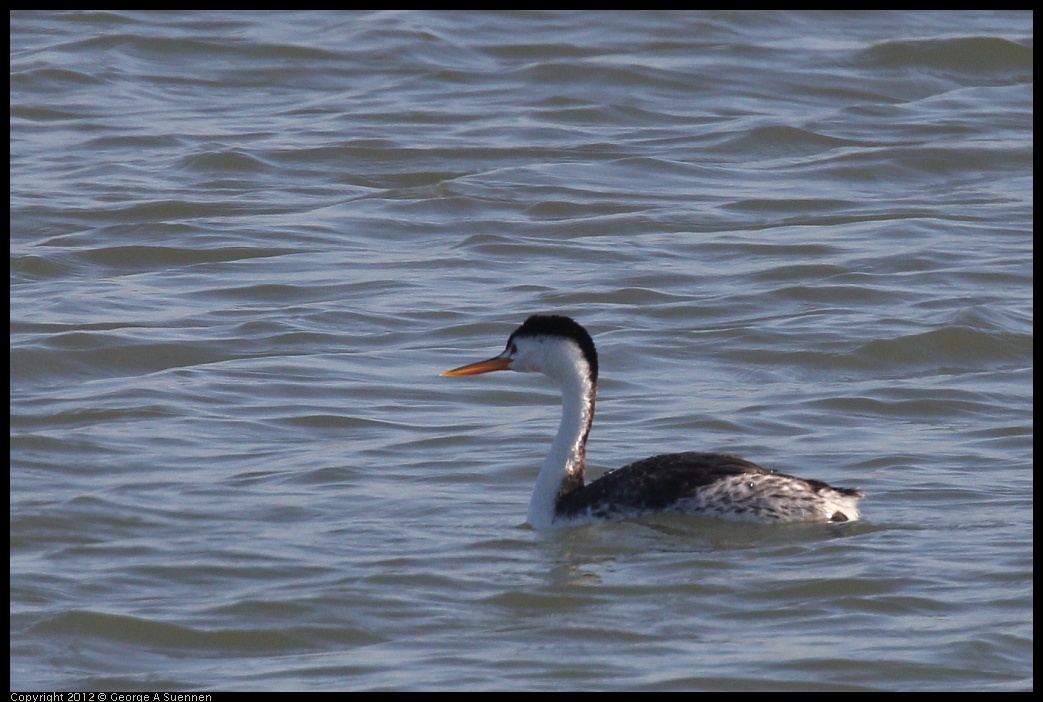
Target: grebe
[[696, 483]]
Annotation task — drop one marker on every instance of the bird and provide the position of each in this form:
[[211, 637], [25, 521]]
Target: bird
[[712, 484]]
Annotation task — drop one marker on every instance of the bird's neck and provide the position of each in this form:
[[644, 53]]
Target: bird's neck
[[562, 470]]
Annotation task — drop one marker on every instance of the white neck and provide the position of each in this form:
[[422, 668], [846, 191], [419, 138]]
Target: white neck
[[564, 464]]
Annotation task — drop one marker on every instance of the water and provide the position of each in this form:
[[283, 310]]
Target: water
[[243, 246]]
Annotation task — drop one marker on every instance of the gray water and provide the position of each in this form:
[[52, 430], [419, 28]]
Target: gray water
[[244, 245]]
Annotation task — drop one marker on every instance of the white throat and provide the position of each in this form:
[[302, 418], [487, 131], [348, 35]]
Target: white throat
[[564, 464]]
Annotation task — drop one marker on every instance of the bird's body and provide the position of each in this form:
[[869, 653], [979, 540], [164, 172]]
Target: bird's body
[[692, 483]]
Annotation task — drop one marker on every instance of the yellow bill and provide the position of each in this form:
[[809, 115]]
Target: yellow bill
[[496, 363]]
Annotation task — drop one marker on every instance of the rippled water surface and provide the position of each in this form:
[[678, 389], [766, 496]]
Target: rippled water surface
[[243, 246]]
